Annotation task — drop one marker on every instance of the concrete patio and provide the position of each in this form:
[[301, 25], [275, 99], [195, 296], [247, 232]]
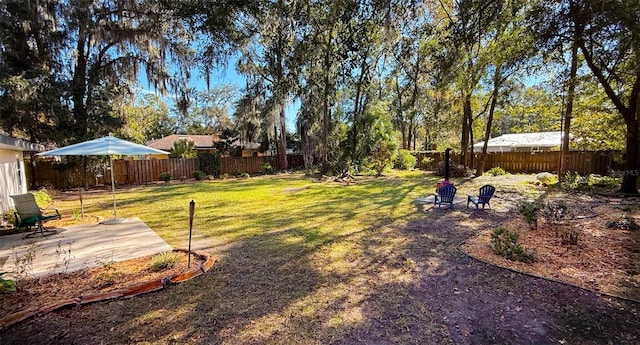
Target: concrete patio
[[76, 247]]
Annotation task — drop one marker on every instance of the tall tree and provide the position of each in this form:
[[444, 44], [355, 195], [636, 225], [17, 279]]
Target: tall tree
[[608, 37]]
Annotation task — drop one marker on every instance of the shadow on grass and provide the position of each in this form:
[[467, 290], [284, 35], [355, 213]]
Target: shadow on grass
[[389, 281]]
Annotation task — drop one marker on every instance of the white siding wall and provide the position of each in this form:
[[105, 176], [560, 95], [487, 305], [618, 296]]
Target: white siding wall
[[12, 177]]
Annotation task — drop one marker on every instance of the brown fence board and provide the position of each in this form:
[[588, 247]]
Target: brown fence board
[[582, 162]]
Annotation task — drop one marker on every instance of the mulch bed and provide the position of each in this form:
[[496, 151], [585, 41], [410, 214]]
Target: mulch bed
[[605, 260], [50, 289]]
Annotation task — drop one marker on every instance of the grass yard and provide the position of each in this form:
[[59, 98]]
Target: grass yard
[[307, 262]]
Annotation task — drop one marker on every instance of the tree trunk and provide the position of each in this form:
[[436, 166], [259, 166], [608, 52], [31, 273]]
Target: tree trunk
[[282, 143], [571, 92], [497, 77], [630, 178], [466, 128]]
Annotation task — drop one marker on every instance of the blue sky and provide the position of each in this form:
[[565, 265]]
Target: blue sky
[[221, 76]]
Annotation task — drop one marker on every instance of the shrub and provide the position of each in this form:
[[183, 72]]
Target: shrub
[[7, 285], [529, 210], [555, 211], [165, 176], [211, 177], [108, 276], [164, 260], [547, 179], [404, 160], [505, 243], [199, 175], [455, 170], [570, 237], [426, 161], [224, 176], [210, 163], [245, 175], [266, 168], [496, 171], [43, 199]]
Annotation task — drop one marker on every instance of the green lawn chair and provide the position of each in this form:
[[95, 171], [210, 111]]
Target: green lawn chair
[[28, 214]]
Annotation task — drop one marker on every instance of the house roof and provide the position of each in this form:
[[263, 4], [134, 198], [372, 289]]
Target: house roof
[[537, 139], [200, 141], [15, 144]]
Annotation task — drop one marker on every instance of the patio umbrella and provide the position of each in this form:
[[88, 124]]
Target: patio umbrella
[[105, 146]]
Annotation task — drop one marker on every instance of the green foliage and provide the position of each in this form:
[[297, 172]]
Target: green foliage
[[7, 285], [505, 243], [570, 237], [427, 161], [165, 176], [624, 223], [267, 168], [496, 171], [9, 217], [529, 210], [404, 160], [547, 179], [210, 163], [199, 175], [43, 199], [555, 211], [455, 170], [109, 275], [573, 181], [183, 148], [164, 261], [245, 176]]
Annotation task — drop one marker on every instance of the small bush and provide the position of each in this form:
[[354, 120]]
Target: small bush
[[7, 285], [199, 175], [109, 275], [164, 261], [404, 160], [570, 237], [455, 170], [426, 161], [266, 168], [505, 243], [496, 171], [43, 199], [547, 179], [165, 176], [244, 175], [529, 210], [211, 177], [555, 211], [224, 176], [624, 223]]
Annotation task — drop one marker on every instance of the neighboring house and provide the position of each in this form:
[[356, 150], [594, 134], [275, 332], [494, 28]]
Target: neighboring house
[[523, 142], [203, 143], [12, 174]]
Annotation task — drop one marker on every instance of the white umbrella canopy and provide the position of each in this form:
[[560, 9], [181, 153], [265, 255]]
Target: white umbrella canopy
[[102, 147]]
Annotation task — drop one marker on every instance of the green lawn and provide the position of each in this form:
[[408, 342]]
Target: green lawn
[[311, 212], [298, 260]]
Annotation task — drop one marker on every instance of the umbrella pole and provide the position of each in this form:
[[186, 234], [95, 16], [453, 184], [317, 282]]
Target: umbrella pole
[[113, 187]]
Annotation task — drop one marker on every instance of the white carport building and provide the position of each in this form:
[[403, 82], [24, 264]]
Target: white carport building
[[523, 142]]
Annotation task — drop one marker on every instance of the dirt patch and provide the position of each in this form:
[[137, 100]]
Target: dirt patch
[[606, 259], [35, 292]]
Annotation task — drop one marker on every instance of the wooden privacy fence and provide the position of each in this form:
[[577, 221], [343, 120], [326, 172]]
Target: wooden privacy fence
[[582, 162], [149, 170]]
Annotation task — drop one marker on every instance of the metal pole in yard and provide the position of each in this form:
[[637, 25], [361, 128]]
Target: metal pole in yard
[[192, 209]]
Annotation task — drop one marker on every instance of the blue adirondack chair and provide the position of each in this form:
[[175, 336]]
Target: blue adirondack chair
[[483, 198], [445, 195]]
